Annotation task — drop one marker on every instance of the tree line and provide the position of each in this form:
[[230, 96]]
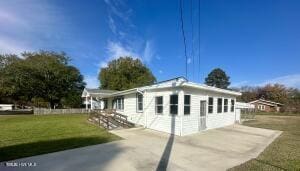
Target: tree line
[[46, 79], [289, 97]]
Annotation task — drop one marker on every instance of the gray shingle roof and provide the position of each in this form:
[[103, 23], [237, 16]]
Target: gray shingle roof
[[93, 91]]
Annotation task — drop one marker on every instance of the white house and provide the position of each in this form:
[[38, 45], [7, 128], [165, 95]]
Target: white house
[[5, 107], [174, 106]]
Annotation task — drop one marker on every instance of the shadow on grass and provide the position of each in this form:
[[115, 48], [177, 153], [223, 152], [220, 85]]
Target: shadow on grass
[[43, 147]]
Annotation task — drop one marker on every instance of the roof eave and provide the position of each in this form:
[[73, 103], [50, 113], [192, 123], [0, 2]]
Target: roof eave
[[214, 89]]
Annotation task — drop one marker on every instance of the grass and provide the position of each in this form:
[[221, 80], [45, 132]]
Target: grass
[[278, 113], [284, 152], [23, 136]]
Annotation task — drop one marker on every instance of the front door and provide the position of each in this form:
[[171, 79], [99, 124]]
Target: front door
[[202, 120]]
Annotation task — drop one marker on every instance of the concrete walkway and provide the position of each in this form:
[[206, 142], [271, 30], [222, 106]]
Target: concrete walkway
[[144, 149]]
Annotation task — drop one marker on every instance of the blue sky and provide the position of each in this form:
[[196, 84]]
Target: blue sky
[[256, 42]]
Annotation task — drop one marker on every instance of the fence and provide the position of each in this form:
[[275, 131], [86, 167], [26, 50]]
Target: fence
[[17, 112], [42, 111]]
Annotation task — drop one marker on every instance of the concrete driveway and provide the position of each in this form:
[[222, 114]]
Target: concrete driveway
[[144, 149]]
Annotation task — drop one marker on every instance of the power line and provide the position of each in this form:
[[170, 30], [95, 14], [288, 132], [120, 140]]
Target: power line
[[184, 39], [199, 39], [192, 52]]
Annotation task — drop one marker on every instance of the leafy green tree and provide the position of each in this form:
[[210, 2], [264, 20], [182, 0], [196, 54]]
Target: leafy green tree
[[217, 78], [276, 92], [125, 73], [42, 74]]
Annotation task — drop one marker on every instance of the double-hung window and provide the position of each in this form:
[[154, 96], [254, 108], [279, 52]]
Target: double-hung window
[[210, 105], [159, 105], [225, 105], [118, 103], [187, 104], [139, 102], [219, 109], [174, 104], [232, 105]]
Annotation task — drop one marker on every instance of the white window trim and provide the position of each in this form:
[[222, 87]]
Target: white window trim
[[184, 105], [137, 103], [173, 104], [218, 105], [117, 103], [232, 105], [162, 105], [208, 105], [225, 105]]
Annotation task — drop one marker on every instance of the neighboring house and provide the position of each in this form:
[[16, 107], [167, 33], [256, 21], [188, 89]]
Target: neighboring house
[[174, 106], [5, 107], [266, 106], [93, 98]]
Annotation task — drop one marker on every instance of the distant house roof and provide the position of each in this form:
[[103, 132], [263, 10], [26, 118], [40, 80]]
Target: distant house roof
[[87, 92], [267, 102], [171, 83]]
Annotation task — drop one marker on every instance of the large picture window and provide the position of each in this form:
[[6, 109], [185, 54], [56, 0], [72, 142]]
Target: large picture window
[[232, 105], [187, 104], [225, 105], [219, 105], [210, 105], [174, 104], [139, 102], [159, 105]]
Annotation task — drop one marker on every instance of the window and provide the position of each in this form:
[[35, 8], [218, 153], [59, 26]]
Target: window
[[118, 103], [159, 105], [225, 105], [262, 107], [187, 104], [139, 102], [174, 104], [219, 105], [232, 105], [210, 105]]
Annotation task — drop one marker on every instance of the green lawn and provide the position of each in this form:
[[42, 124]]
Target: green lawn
[[284, 152], [23, 136]]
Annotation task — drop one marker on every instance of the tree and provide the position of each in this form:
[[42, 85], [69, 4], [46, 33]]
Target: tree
[[217, 78], [43, 74], [125, 73], [276, 92]]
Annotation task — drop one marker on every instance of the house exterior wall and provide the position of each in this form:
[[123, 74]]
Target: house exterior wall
[[129, 109], [185, 124], [213, 120], [179, 124], [267, 108], [4, 107], [163, 122]]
